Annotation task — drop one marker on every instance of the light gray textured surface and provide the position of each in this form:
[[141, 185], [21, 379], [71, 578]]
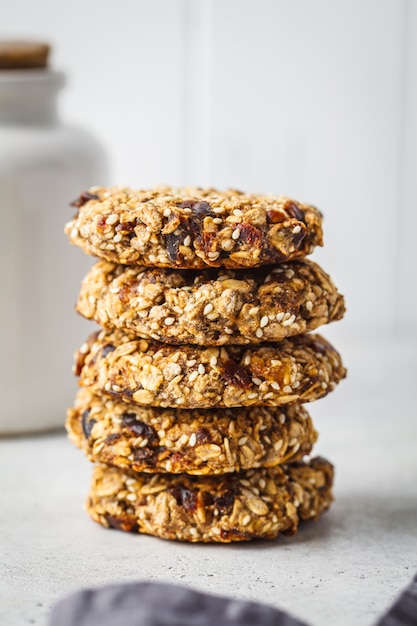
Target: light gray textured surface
[[346, 569]]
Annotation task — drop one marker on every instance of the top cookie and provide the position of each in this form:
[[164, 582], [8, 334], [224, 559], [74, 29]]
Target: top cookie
[[191, 228]]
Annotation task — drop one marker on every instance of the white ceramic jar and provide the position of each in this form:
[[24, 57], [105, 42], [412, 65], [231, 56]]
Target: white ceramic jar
[[44, 164]]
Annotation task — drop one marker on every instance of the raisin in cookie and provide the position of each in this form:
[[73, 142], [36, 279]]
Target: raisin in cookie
[[211, 307], [196, 441], [302, 368], [254, 504], [193, 228]]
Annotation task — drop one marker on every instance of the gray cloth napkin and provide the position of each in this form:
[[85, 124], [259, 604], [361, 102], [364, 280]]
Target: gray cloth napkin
[[404, 611], [161, 604]]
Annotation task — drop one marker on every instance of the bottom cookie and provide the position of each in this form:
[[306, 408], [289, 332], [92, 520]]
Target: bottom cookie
[[253, 504]]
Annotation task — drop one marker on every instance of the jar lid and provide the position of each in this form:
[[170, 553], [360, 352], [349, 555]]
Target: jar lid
[[22, 55]]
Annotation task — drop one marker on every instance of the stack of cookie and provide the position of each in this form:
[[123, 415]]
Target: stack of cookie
[[192, 396]]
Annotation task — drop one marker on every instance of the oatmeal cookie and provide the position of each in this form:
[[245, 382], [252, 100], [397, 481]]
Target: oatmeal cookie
[[194, 441], [301, 368], [191, 227], [211, 307], [253, 504]]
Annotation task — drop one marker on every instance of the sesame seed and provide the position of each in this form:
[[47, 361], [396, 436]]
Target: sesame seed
[[296, 447], [182, 440], [193, 376], [279, 316], [167, 212], [177, 232], [252, 395], [228, 331], [275, 386], [268, 395], [247, 359], [169, 320], [289, 321], [213, 361], [213, 255], [112, 219], [275, 363], [277, 445], [131, 497], [193, 532], [309, 305], [254, 310], [256, 381], [296, 229], [287, 389], [201, 369], [259, 332], [244, 482], [264, 321], [117, 238], [217, 220], [246, 520], [242, 441], [143, 443], [191, 362], [237, 212], [193, 440], [262, 483], [296, 503], [236, 234], [228, 244], [292, 441], [282, 418], [187, 241], [208, 308], [218, 209]]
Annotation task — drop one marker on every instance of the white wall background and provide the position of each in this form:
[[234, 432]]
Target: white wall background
[[316, 100]]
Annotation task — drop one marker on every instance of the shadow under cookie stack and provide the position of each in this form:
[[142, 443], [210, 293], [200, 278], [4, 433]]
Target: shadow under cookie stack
[[192, 396]]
